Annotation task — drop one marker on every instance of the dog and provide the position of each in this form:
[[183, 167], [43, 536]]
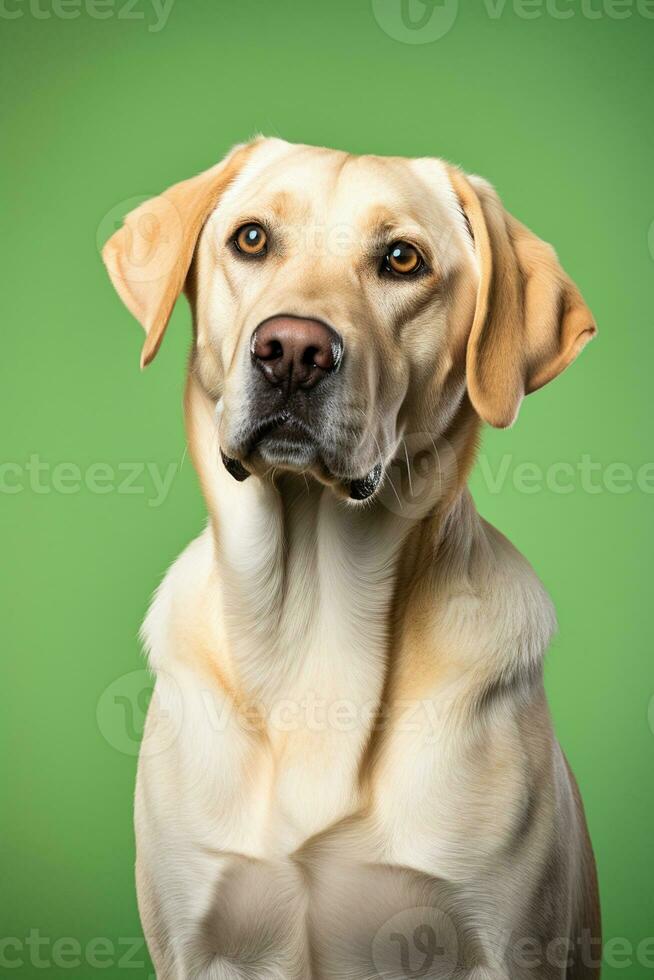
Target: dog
[[348, 767]]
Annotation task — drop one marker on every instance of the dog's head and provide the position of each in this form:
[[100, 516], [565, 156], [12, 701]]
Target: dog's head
[[341, 302]]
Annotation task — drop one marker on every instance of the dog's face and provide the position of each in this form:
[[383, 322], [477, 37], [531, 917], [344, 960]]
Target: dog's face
[[341, 302], [327, 288]]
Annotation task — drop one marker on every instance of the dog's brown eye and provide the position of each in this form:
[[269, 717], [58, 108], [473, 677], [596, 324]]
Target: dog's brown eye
[[402, 259], [251, 240]]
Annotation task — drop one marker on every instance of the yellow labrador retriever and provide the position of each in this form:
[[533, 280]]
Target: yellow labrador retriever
[[349, 769]]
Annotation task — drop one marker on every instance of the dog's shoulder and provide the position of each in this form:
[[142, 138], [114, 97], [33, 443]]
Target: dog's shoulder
[[489, 607], [514, 599]]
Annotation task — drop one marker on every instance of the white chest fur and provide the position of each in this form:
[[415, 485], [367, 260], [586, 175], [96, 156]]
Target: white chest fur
[[293, 608]]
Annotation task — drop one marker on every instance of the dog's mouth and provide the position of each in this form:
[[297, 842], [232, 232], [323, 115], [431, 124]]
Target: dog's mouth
[[286, 442]]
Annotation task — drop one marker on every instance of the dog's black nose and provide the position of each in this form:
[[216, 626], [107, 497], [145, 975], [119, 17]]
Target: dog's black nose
[[295, 353]]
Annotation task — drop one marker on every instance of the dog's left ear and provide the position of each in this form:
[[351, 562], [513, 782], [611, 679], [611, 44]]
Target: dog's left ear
[[530, 319], [149, 257]]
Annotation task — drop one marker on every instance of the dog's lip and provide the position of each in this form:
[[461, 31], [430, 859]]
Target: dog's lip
[[368, 485], [286, 422]]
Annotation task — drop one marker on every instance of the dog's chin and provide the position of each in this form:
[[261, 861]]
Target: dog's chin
[[288, 448]]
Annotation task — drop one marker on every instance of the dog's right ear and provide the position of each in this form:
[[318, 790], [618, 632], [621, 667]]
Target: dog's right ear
[[149, 257]]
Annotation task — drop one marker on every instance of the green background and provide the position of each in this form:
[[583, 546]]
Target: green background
[[557, 112]]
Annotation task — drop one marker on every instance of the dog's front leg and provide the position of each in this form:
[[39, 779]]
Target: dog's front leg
[[254, 926], [211, 909]]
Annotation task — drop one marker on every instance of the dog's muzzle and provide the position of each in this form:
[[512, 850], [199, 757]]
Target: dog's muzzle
[[295, 362]]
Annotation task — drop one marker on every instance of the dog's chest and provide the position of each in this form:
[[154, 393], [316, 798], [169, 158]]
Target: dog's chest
[[320, 717], [314, 657]]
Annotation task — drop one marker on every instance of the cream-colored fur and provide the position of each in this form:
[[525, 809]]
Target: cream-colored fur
[[349, 769]]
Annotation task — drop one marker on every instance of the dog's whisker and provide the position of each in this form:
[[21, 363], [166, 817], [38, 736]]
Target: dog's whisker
[[438, 460], [390, 480], [408, 465]]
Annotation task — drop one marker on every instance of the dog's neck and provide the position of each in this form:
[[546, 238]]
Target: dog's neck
[[301, 570]]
